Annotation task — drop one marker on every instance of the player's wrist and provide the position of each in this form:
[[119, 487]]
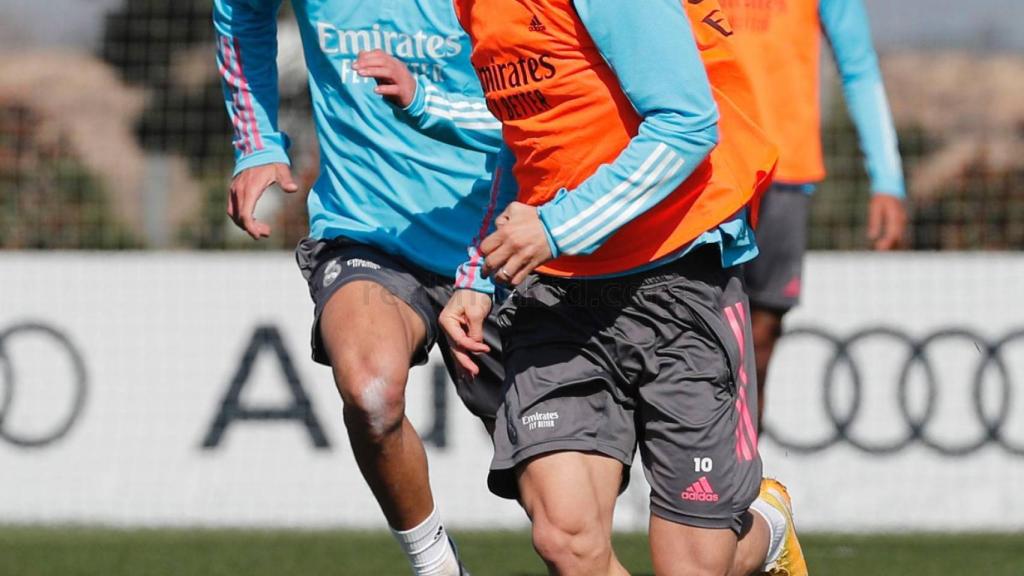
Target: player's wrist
[[892, 189], [265, 157], [888, 196], [418, 102], [548, 219], [469, 277]]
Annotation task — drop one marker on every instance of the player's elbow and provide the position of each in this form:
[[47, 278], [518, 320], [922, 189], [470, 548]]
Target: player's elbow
[[866, 74], [707, 138], [696, 144], [692, 135]]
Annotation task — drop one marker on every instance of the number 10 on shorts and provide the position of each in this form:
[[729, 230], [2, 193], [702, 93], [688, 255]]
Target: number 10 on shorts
[[703, 464]]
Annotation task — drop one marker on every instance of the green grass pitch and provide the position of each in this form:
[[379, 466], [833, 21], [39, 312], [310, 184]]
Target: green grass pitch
[[89, 552]]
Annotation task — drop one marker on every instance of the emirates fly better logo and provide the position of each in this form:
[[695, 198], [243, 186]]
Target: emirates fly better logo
[[540, 420], [425, 54]]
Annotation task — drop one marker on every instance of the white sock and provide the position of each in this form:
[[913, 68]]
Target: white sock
[[428, 548], [776, 521]]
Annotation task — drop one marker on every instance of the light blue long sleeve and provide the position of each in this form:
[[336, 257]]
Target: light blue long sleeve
[[846, 26], [654, 55], [458, 119], [246, 36]]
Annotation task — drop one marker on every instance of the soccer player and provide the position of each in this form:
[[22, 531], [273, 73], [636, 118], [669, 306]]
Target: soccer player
[[780, 45], [634, 195], [390, 217]]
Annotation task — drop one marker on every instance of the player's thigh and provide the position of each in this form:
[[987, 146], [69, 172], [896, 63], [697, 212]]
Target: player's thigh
[[371, 317], [369, 332], [681, 550]]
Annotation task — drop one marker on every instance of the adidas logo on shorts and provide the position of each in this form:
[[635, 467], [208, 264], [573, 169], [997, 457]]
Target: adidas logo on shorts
[[700, 491]]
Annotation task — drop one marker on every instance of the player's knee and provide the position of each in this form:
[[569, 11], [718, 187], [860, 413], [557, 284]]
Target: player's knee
[[745, 565], [573, 542], [707, 561], [374, 401], [714, 570]]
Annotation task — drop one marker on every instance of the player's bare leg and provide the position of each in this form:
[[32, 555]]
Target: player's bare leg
[[752, 548], [570, 498], [371, 337], [766, 328], [680, 550]]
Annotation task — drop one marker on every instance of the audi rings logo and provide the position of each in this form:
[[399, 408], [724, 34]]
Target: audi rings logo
[[13, 383], [919, 390]]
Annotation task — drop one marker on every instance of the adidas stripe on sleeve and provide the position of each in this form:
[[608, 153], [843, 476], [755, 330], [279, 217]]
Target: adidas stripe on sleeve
[[246, 36], [455, 119], [655, 57]]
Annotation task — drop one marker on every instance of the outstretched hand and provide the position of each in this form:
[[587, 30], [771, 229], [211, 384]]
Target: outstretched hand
[[247, 188]]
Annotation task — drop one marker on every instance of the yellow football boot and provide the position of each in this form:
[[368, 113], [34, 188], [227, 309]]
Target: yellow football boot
[[791, 560]]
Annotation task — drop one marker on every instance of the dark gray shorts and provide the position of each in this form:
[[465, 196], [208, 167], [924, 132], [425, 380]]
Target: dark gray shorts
[[328, 265], [774, 279], [662, 359]]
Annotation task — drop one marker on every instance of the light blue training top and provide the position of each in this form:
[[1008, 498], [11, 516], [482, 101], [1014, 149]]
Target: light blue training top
[[382, 182]]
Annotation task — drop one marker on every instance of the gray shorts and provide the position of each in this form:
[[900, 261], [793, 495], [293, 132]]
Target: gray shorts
[[328, 265], [662, 359], [774, 279]]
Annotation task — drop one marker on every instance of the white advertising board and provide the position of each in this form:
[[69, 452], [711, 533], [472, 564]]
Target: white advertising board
[[169, 390]]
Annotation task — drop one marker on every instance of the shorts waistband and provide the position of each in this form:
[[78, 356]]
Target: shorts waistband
[[309, 246], [695, 263]]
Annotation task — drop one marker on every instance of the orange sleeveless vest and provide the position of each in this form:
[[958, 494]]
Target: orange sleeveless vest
[[779, 43], [565, 115]]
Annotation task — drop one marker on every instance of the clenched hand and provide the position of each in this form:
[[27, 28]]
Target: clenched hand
[[518, 245]]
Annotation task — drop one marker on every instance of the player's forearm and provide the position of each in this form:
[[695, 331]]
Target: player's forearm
[[455, 119], [656, 61], [869, 109], [246, 37], [656, 162]]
